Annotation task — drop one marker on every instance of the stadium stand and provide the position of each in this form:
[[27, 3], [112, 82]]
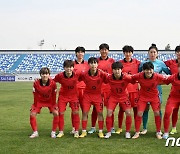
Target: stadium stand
[[31, 62]]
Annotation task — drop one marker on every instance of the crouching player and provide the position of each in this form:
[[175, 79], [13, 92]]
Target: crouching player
[[44, 91], [148, 81], [119, 95], [173, 101], [93, 78], [68, 94]]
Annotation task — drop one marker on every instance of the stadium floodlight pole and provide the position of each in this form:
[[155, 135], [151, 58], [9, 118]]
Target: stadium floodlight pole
[[54, 46], [41, 44]]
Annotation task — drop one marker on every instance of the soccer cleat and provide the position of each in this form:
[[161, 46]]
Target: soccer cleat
[[92, 130], [73, 131], [143, 132], [108, 135], [34, 135], [113, 131], [61, 134], [84, 134], [128, 135], [119, 131], [173, 131], [136, 135], [158, 135], [76, 134], [100, 135], [53, 134], [165, 136]]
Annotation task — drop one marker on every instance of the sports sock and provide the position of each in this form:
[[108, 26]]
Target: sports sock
[[33, 123], [55, 123]]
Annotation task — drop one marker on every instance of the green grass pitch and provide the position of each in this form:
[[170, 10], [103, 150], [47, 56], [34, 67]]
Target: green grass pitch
[[15, 101]]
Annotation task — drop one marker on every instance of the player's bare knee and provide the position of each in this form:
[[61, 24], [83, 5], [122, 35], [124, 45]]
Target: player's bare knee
[[55, 113], [33, 114], [128, 113], [140, 114], [156, 113], [61, 113], [109, 113], [75, 112]]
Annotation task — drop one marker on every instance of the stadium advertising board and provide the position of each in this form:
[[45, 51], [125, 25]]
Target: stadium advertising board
[[27, 77], [7, 78]]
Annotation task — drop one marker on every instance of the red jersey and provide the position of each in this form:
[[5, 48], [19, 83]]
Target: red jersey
[[119, 87], [68, 85], [105, 65], [131, 67], [173, 65], [175, 81], [78, 68], [44, 96], [93, 83], [148, 90]]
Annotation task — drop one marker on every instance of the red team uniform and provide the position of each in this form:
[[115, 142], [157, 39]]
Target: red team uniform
[[148, 93], [44, 96], [105, 65], [92, 93], [118, 95], [78, 68], [173, 100], [68, 94]]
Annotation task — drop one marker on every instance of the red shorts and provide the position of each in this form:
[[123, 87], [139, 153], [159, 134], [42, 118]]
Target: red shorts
[[155, 104], [133, 98], [38, 109], [172, 103], [73, 103], [92, 99], [112, 103]]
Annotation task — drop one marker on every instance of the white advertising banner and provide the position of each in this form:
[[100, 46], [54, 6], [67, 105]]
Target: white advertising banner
[[28, 77]]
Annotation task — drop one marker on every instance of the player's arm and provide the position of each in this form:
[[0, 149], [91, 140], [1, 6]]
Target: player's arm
[[135, 78], [35, 94], [165, 69]]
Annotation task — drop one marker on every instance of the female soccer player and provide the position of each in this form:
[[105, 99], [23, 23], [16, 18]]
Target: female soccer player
[[159, 67], [68, 94], [44, 91], [173, 101], [130, 66], [173, 65]]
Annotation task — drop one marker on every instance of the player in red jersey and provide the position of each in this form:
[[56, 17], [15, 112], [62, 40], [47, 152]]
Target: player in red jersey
[[93, 78], [173, 100], [130, 66], [68, 94], [44, 91], [172, 64], [148, 81], [118, 82], [104, 63], [79, 65]]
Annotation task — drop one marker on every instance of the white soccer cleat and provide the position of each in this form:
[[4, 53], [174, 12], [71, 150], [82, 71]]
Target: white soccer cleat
[[143, 132], [136, 135], [73, 131], [34, 135], [108, 135], [165, 136], [92, 130], [61, 134], [53, 134], [158, 135], [127, 135]]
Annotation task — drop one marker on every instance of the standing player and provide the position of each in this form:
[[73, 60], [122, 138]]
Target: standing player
[[148, 81], [159, 67], [119, 95], [79, 65], [130, 66], [44, 91], [68, 94], [173, 101], [104, 63], [173, 65], [93, 79]]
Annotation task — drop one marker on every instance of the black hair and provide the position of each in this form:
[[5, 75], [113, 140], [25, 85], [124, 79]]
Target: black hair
[[148, 66], [127, 48], [104, 46], [68, 63], [177, 48], [44, 70], [153, 46], [80, 49], [92, 60], [117, 65]]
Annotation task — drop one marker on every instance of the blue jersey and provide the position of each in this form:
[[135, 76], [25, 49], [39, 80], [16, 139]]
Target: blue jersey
[[159, 67]]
